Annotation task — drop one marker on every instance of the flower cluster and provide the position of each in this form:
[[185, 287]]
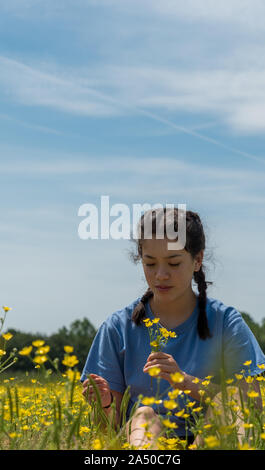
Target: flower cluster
[[158, 336]]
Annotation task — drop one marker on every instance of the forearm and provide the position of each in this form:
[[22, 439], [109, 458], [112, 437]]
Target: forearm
[[97, 417], [199, 389]]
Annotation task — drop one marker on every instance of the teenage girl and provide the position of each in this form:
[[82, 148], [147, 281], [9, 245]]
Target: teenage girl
[[210, 336]]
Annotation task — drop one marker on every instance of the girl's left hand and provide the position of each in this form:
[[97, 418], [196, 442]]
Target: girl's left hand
[[166, 363]]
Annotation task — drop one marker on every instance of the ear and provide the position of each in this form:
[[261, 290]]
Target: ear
[[198, 260]]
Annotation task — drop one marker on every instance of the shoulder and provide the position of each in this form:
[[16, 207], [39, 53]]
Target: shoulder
[[225, 312], [222, 316]]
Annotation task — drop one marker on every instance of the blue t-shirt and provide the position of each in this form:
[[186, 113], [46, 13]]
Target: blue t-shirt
[[120, 350]]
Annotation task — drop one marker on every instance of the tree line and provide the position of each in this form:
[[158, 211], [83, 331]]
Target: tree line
[[80, 336]]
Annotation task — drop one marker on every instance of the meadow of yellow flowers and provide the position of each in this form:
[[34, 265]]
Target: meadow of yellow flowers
[[45, 409]]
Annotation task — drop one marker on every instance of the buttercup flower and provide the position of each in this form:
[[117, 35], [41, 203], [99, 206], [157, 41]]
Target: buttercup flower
[[177, 377], [40, 359], [25, 351], [170, 424], [38, 343], [6, 309], [70, 361], [154, 371], [7, 336]]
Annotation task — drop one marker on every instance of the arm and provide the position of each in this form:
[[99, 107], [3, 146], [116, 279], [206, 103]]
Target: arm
[[105, 396], [117, 398]]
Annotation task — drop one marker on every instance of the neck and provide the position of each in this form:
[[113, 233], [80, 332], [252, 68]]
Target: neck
[[174, 312]]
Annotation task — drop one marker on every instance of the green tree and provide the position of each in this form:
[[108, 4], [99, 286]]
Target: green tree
[[80, 335]]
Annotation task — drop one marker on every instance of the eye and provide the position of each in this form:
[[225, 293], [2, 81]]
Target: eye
[[170, 264]]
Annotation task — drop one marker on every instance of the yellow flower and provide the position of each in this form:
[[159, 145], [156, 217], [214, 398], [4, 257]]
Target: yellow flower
[[156, 320], [211, 441], [40, 359], [262, 435], [164, 332], [207, 426], [68, 349], [154, 371], [191, 404], [196, 380], [144, 425], [71, 374], [170, 404], [245, 446], [180, 413], [247, 363], [174, 393], [198, 409], [6, 309], [96, 444], [238, 376], [38, 343], [169, 424], [252, 394], [261, 366], [192, 447], [84, 429], [148, 323], [125, 446], [172, 334], [177, 377], [148, 434], [205, 383], [229, 381], [43, 350], [148, 400], [25, 351], [70, 361], [249, 379], [7, 336], [247, 425], [154, 344]]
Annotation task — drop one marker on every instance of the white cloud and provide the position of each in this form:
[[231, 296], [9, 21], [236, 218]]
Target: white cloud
[[237, 97]]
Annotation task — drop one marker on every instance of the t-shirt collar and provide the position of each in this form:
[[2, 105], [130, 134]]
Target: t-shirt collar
[[183, 326]]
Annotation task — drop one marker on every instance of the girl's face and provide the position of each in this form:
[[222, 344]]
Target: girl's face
[[168, 268]]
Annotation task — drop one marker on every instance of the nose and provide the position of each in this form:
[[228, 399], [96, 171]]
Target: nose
[[162, 273]]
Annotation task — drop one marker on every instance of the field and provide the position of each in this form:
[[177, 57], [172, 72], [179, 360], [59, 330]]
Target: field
[[38, 412], [44, 408]]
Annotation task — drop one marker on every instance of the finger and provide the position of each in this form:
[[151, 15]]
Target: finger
[[156, 363], [99, 380], [157, 355]]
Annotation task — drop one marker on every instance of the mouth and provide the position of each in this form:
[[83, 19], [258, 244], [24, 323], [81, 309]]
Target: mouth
[[163, 288]]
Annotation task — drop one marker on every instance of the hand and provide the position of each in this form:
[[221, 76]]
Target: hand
[[103, 388], [166, 363]]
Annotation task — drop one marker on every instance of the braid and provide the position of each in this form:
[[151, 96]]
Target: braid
[[139, 311], [202, 326]]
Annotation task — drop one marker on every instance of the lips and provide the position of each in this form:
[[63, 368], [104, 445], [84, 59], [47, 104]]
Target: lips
[[164, 288]]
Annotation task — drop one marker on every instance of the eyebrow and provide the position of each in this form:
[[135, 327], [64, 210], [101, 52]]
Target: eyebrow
[[166, 257]]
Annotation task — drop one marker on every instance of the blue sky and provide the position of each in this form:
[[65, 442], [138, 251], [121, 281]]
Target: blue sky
[[143, 101]]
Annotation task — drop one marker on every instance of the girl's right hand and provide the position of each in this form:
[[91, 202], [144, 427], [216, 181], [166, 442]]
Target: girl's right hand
[[103, 388]]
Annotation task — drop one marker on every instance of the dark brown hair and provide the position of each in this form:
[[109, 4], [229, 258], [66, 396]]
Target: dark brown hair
[[195, 242]]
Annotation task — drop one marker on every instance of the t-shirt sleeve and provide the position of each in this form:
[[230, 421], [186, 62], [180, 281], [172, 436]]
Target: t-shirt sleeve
[[241, 351], [105, 357]]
